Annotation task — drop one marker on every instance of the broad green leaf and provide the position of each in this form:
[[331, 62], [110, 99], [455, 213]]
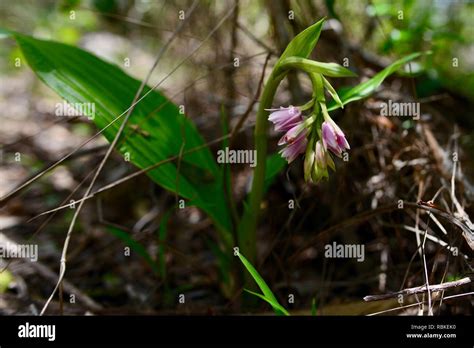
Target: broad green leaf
[[312, 66], [267, 293], [303, 44], [368, 87], [155, 131], [134, 246]]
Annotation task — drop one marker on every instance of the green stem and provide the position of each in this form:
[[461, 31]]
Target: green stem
[[248, 230]]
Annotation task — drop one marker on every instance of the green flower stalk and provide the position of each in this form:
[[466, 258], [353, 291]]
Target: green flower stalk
[[247, 236], [302, 134]]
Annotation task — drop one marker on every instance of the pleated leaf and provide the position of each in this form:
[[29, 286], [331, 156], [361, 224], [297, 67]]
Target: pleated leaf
[[155, 131]]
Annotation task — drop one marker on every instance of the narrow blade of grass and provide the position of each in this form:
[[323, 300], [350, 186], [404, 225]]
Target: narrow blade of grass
[[268, 295]]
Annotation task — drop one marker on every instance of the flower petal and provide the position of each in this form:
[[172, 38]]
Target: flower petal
[[297, 147], [291, 135], [285, 118], [330, 139]]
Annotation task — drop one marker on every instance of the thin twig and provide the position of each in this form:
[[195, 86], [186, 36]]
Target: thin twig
[[255, 39], [417, 304], [419, 289], [425, 268], [359, 218]]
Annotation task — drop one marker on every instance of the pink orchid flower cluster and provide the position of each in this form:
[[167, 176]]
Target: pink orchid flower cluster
[[329, 138], [290, 120]]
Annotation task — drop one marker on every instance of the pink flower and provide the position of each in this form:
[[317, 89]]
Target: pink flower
[[285, 118], [291, 135], [294, 147], [333, 138], [290, 121]]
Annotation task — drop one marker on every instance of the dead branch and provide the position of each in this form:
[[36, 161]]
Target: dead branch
[[419, 289]]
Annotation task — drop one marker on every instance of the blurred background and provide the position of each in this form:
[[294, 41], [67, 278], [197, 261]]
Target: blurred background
[[391, 159]]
